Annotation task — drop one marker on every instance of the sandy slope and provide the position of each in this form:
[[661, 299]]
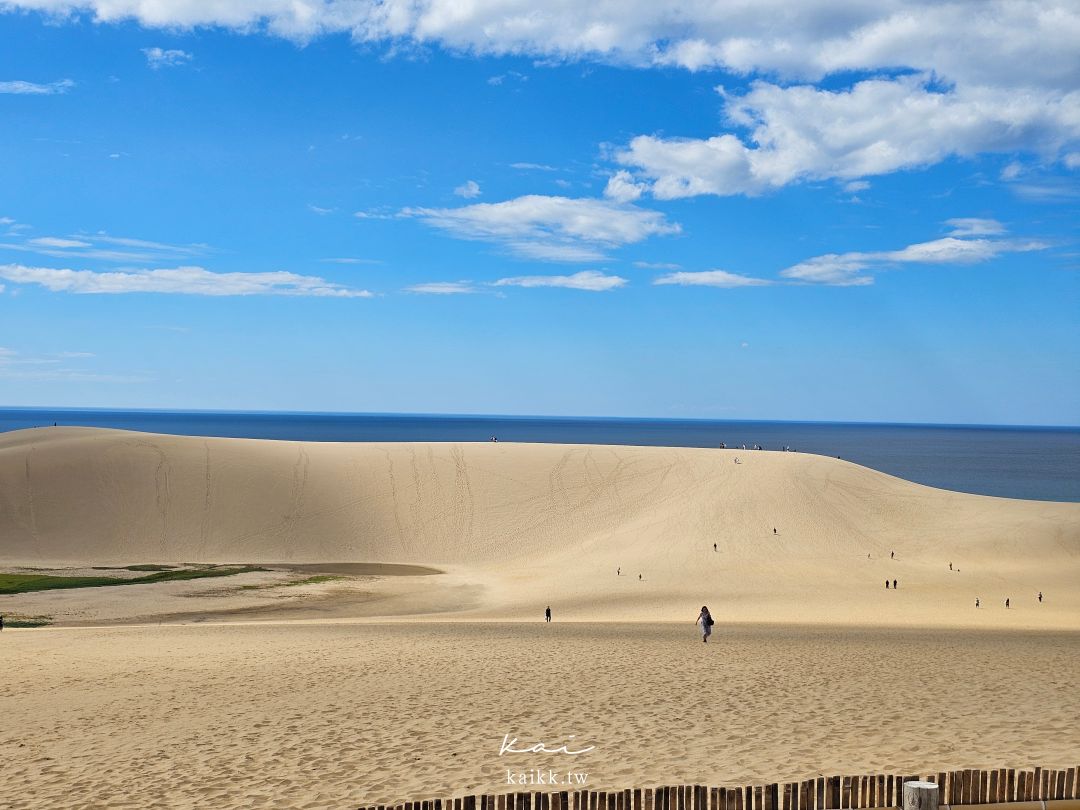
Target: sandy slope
[[518, 526], [337, 716]]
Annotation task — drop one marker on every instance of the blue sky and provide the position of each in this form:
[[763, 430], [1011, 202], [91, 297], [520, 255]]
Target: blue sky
[[769, 210]]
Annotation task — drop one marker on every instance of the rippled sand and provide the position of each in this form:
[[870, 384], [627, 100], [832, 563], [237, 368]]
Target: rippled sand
[[337, 715]]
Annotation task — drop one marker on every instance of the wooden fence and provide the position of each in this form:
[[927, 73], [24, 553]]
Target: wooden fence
[[823, 793]]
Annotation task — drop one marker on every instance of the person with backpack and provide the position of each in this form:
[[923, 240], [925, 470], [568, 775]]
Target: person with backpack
[[705, 619]]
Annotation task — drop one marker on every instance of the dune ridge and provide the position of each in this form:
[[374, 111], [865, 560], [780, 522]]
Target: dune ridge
[[532, 524]]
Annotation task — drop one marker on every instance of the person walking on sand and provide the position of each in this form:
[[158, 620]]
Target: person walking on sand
[[714, 546], [547, 613], [886, 584], [1040, 597], [705, 619], [618, 572], [894, 584], [892, 555], [1006, 604], [774, 530], [976, 601]]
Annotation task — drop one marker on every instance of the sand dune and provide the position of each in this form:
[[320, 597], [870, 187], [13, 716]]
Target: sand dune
[[338, 716], [525, 525]]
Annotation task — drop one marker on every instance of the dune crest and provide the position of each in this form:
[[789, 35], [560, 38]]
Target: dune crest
[[552, 524]]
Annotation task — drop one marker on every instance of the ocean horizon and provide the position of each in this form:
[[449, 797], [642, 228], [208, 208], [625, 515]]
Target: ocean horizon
[[1012, 461]]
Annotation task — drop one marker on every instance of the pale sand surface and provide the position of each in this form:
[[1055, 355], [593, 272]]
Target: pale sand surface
[[314, 700], [519, 526], [338, 715]]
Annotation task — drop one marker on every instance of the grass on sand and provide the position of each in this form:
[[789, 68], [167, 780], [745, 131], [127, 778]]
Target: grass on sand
[[23, 583]]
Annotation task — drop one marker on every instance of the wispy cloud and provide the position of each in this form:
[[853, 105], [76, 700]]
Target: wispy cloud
[[658, 265], [315, 209], [971, 241], [443, 288], [711, 278], [549, 228], [591, 280], [15, 365], [178, 280], [104, 247], [351, 260], [21, 88], [158, 58], [469, 189], [533, 167]]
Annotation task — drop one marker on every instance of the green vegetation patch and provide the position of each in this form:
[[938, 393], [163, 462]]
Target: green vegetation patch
[[19, 620], [24, 583]]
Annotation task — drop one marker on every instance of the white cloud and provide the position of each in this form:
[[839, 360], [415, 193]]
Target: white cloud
[[469, 189], [849, 269], [104, 247], [856, 186], [876, 127], [533, 167], [158, 58], [50, 368], [1000, 41], [711, 278], [549, 228], [178, 280], [973, 226], [443, 288], [621, 187], [1072, 160], [322, 212], [1011, 171], [21, 88], [57, 242], [591, 280], [1008, 69], [658, 265]]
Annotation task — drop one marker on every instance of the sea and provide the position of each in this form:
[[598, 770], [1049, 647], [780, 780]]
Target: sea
[[1037, 463]]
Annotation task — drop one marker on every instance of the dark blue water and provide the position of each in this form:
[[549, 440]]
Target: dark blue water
[[1013, 462]]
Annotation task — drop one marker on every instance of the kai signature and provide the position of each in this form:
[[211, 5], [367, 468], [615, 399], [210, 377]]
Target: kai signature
[[508, 744]]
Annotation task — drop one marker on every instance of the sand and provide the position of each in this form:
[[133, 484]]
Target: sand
[[393, 683], [317, 715], [515, 527]]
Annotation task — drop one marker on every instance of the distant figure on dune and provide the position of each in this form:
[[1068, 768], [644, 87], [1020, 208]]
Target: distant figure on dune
[[705, 619], [618, 572], [639, 577], [976, 601], [1040, 597], [774, 530], [892, 555], [547, 613], [714, 546], [950, 566], [886, 584], [894, 584], [1006, 604]]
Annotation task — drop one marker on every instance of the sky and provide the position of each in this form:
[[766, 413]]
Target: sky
[[839, 211]]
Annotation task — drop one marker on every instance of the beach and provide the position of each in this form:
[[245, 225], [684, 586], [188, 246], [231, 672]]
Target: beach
[[367, 619], [342, 715]]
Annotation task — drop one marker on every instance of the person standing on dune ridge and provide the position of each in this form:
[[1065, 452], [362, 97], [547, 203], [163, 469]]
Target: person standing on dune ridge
[[705, 619]]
